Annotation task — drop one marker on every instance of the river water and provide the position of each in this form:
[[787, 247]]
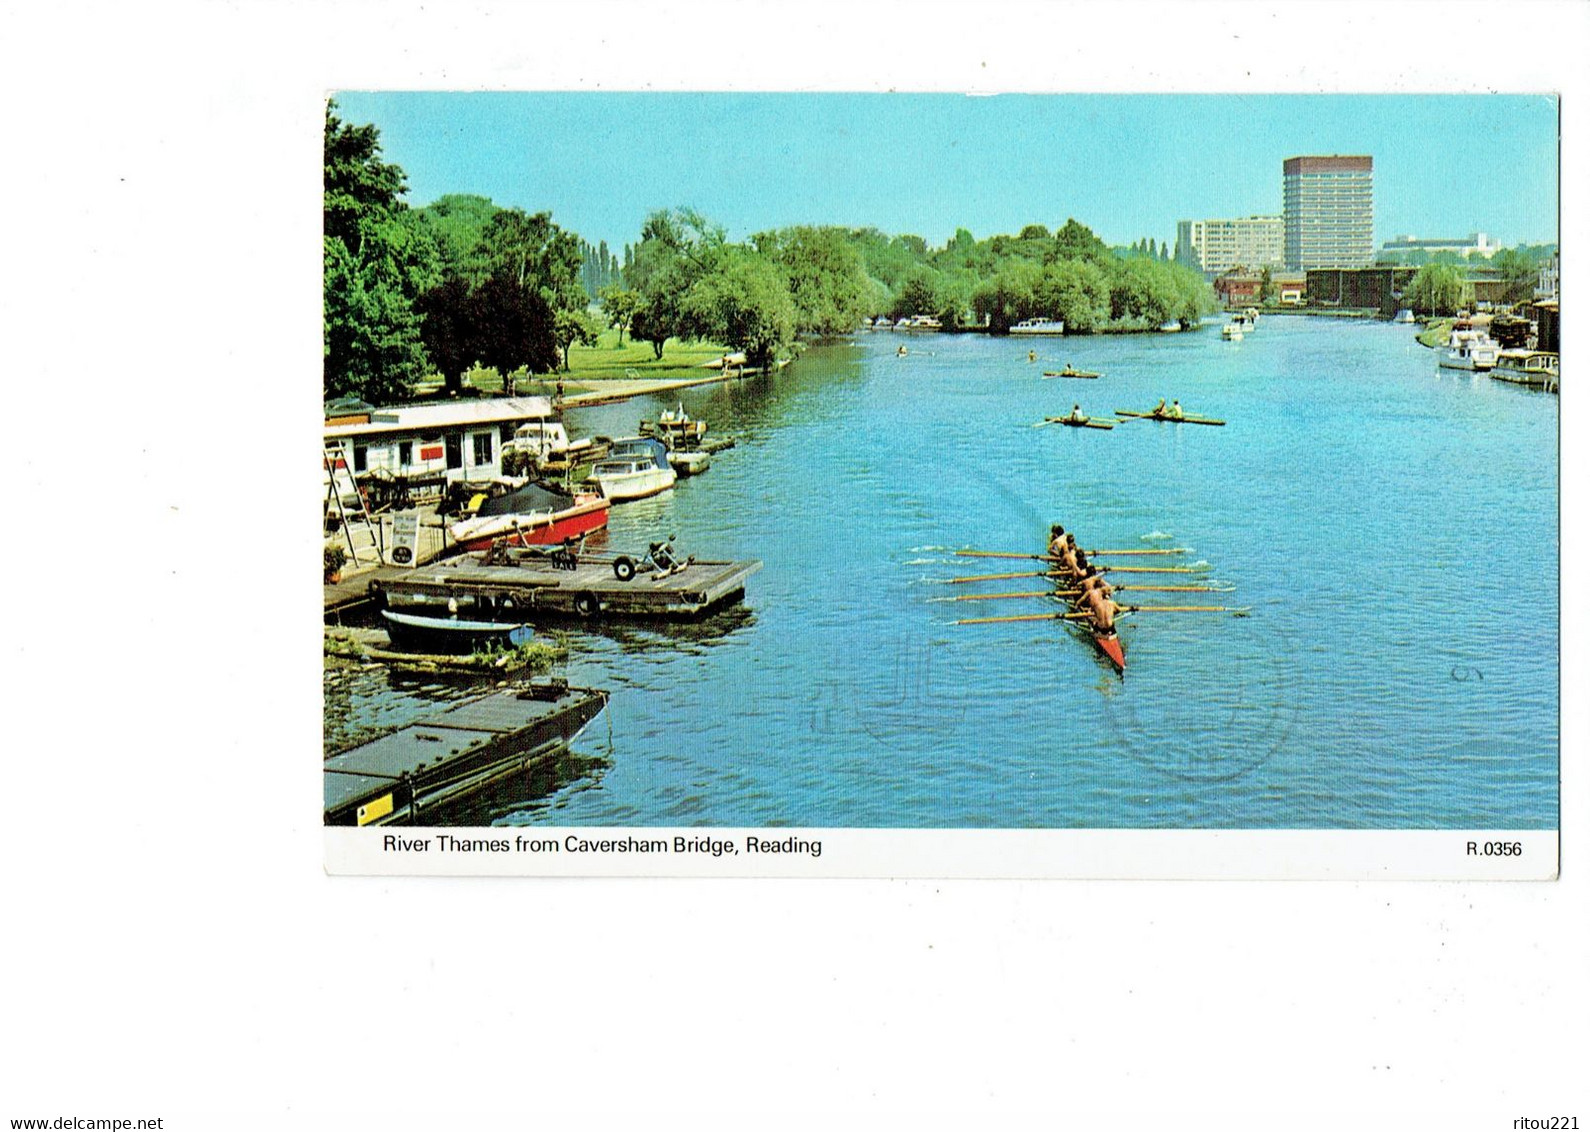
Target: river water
[[1392, 526]]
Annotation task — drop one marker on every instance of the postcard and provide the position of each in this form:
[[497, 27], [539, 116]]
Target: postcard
[[882, 484]]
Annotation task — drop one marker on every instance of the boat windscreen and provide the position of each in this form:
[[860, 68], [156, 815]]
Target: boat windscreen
[[531, 499], [641, 446]]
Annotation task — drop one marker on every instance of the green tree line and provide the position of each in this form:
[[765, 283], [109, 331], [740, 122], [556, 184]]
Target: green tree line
[[462, 281]]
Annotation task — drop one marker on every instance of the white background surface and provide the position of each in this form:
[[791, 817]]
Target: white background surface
[[173, 947]]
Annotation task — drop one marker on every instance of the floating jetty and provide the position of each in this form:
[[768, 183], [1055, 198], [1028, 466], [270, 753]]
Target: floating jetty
[[530, 589], [405, 775]]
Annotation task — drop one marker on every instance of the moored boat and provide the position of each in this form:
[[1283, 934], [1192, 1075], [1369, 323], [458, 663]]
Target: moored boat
[[689, 462], [1050, 326], [532, 515], [452, 632], [633, 468], [1469, 350], [919, 323], [1231, 332], [675, 428], [1536, 369]]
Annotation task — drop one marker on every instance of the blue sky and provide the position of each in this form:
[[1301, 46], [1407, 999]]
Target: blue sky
[[1128, 166]]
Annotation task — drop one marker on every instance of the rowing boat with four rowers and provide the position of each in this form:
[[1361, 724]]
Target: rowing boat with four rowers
[[1089, 596]]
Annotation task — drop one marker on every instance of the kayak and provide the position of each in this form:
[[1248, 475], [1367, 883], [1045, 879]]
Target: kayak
[[1172, 420], [1080, 424]]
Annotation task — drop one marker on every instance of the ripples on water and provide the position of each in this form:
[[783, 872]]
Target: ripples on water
[[1357, 499]]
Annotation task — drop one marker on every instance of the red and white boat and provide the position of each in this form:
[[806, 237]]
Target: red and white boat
[[533, 515]]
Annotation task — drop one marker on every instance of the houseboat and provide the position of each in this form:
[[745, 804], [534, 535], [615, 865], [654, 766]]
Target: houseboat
[[1538, 369], [633, 468], [1039, 326], [532, 515]]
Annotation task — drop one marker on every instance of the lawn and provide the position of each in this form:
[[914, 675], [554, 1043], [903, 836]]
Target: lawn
[[604, 361]]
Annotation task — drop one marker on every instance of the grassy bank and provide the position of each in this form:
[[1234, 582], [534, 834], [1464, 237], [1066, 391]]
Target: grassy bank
[[605, 361], [1436, 333]]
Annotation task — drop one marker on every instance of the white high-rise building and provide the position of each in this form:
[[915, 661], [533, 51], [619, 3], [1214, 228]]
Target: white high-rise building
[[1329, 207], [1217, 246]]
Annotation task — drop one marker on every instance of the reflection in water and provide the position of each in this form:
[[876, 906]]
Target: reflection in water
[[840, 694]]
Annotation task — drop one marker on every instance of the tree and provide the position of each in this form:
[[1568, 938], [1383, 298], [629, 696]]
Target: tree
[[827, 282], [677, 248], [1266, 285], [919, 294], [569, 327], [620, 306], [378, 259], [456, 223], [1009, 296], [744, 302], [1438, 288], [1034, 232], [500, 302], [1518, 271], [1077, 241]]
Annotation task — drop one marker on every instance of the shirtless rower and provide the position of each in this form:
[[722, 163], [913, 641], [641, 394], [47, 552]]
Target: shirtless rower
[[1094, 581], [1100, 608], [1063, 553], [1159, 409]]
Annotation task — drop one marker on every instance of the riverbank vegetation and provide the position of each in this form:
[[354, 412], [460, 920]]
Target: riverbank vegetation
[[461, 293]]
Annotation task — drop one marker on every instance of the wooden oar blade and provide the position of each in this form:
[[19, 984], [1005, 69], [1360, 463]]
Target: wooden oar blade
[[1018, 617]]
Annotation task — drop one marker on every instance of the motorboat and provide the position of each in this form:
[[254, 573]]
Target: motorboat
[[633, 468], [1470, 350], [1039, 326], [1404, 316], [919, 323], [532, 515], [1231, 332], [675, 428], [546, 441]]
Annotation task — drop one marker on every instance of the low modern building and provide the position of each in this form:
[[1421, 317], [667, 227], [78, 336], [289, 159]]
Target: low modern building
[[1328, 207], [1218, 246], [1399, 249], [1369, 288]]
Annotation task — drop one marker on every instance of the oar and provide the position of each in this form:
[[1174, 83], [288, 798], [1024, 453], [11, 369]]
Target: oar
[[1102, 570], [1001, 577], [1185, 609], [1018, 617], [994, 597], [1156, 589], [1053, 558]]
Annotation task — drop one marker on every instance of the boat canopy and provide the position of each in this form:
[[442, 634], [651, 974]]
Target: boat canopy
[[531, 499], [641, 446]]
